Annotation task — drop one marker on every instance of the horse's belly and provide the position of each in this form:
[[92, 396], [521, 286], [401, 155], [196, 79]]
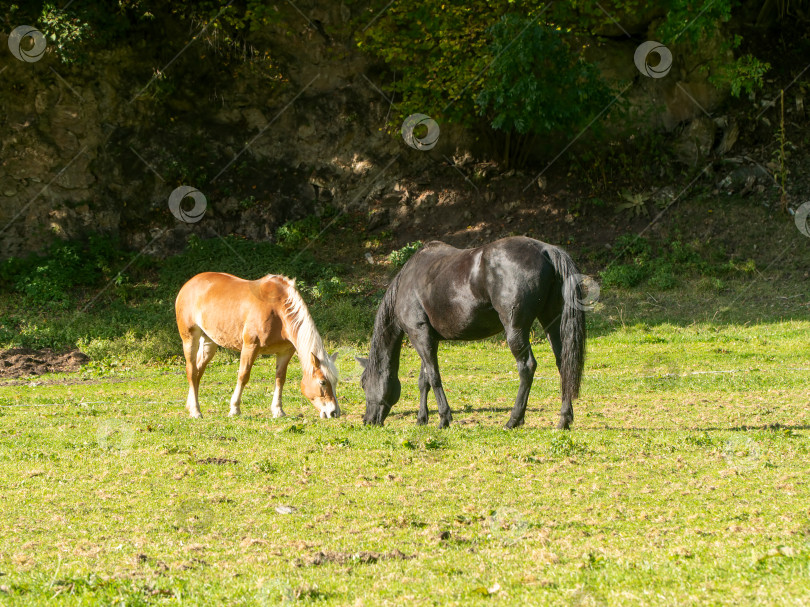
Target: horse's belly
[[232, 340], [223, 338], [476, 325]]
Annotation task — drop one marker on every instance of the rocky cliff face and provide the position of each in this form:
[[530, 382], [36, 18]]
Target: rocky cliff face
[[101, 144]]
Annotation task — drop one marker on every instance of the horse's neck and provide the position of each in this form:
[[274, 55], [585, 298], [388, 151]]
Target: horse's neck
[[386, 341], [291, 329], [295, 330]]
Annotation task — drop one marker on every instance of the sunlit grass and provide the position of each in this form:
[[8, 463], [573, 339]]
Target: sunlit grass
[[683, 481]]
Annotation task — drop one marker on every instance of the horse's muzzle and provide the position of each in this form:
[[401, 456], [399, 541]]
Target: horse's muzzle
[[330, 410], [375, 418]]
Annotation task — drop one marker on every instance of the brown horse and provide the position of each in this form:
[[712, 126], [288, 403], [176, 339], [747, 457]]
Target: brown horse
[[265, 316]]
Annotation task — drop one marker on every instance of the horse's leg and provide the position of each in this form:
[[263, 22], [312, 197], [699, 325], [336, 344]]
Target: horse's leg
[[553, 334], [282, 360], [191, 343], [249, 353], [424, 389], [427, 346], [520, 345], [205, 353]]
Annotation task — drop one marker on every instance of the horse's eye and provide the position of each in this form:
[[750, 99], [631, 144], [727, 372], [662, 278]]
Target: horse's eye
[[322, 382]]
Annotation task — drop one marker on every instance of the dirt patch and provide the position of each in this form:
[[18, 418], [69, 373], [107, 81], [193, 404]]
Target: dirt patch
[[24, 362], [219, 461], [69, 381], [320, 558]]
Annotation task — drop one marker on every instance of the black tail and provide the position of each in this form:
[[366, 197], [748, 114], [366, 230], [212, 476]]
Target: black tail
[[572, 323]]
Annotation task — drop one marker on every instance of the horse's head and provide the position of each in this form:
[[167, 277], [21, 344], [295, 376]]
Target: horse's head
[[319, 386], [382, 393]]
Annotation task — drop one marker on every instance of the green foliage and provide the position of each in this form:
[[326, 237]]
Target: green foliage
[[637, 262], [295, 234], [632, 245], [65, 32], [641, 265], [694, 20], [50, 278], [436, 48], [329, 288], [266, 466], [538, 81], [663, 276], [401, 256], [562, 445], [242, 258], [635, 205], [745, 73], [82, 27], [624, 275], [520, 64]]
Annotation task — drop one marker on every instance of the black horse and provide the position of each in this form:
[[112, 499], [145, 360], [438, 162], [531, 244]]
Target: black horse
[[444, 293]]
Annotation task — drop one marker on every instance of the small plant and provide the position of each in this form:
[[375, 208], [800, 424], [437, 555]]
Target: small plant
[[328, 288], [635, 205], [266, 466], [247, 203], [632, 245], [562, 445], [401, 256], [294, 234]]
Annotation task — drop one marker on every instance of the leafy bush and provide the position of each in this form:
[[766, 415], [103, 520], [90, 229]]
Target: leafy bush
[[50, 278], [295, 234], [243, 258], [625, 275], [452, 61], [401, 256], [663, 277], [632, 245], [539, 83]]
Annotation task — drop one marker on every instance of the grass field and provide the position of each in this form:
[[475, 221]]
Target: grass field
[[684, 481]]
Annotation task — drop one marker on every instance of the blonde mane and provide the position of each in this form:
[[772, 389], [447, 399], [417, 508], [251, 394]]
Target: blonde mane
[[307, 337]]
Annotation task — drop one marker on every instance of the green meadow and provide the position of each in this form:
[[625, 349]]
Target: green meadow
[[684, 480]]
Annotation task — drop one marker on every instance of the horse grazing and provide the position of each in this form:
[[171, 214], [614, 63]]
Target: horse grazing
[[265, 316], [444, 293]]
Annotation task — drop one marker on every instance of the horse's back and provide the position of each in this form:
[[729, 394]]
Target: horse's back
[[204, 287], [466, 293]]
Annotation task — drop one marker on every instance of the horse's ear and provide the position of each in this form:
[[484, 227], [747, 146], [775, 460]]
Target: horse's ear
[[334, 356], [316, 363], [363, 362]]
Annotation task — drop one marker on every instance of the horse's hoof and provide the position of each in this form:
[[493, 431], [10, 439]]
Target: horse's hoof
[[421, 421], [564, 424], [279, 413], [444, 423], [195, 415], [512, 424], [234, 413]]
